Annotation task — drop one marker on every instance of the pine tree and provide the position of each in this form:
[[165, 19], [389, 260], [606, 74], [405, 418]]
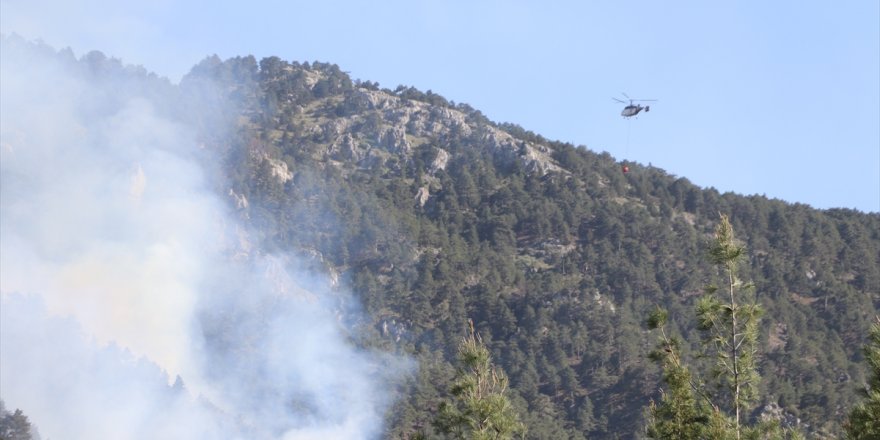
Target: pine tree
[[729, 318], [679, 415], [479, 409], [864, 420], [14, 425]]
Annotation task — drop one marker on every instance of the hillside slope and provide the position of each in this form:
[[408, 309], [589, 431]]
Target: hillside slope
[[436, 215], [433, 215]]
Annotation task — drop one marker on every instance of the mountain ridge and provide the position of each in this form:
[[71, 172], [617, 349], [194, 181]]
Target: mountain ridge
[[417, 131], [414, 134], [435, 215]]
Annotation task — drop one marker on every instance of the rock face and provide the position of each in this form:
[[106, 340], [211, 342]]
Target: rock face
[[394, 140], [241, 202], [422, 196], [363, 99], [440, 161], [346, 148], [773, 412], [279, 170], [534, 158], [778, 337], [312, 115], [365, 127], [423, 120]]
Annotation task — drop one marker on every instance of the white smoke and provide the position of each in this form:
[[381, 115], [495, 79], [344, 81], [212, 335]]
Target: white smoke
[[117, 277]]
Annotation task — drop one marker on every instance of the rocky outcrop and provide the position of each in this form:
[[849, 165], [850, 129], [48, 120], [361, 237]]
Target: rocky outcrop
[[393, 329], [368, 127], [535, 158], [778, 337], [241, 202], [363, 99], [422, 120], [422, 196], [334, 128], [279, 170], [440, 161], [347, 148], [394, 139], [772, 411]]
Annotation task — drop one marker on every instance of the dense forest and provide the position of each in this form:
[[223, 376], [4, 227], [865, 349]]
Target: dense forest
[[434, 215]]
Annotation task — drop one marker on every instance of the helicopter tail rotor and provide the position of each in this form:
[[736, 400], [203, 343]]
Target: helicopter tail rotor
[[647, 108]]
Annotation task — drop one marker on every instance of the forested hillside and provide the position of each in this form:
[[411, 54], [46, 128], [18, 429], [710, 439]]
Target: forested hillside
[[434, 215]]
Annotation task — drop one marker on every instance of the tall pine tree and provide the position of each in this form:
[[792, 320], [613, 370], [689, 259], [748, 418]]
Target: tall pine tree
[[864, 420], [728, 316], [679, 415], [478, 410]]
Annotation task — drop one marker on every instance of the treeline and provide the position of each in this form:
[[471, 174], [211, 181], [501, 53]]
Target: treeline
[[556, 270], [414, 203]]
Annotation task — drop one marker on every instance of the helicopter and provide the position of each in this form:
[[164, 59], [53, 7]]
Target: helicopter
[[633, 109]]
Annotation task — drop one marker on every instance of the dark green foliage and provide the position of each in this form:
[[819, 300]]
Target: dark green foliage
[[657, 319], [679, 415], [729, 321], [729, 318], [478, 408], [557, 266], [14, 425], [864, 419]]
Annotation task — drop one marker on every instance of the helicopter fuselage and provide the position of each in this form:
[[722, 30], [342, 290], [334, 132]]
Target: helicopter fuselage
[[632, 110]]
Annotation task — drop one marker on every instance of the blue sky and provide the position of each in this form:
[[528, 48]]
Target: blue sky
[[778, 98]]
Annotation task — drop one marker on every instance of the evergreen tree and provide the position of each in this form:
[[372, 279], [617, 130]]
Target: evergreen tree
[[14, 425], [864, 420], [678, 416], [729, 321], [479, 409]]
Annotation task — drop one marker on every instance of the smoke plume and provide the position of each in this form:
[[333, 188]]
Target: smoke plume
[[130, 308]]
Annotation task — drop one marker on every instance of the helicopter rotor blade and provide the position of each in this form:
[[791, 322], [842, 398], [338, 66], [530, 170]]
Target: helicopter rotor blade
[[618, 100], [627, 96]]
